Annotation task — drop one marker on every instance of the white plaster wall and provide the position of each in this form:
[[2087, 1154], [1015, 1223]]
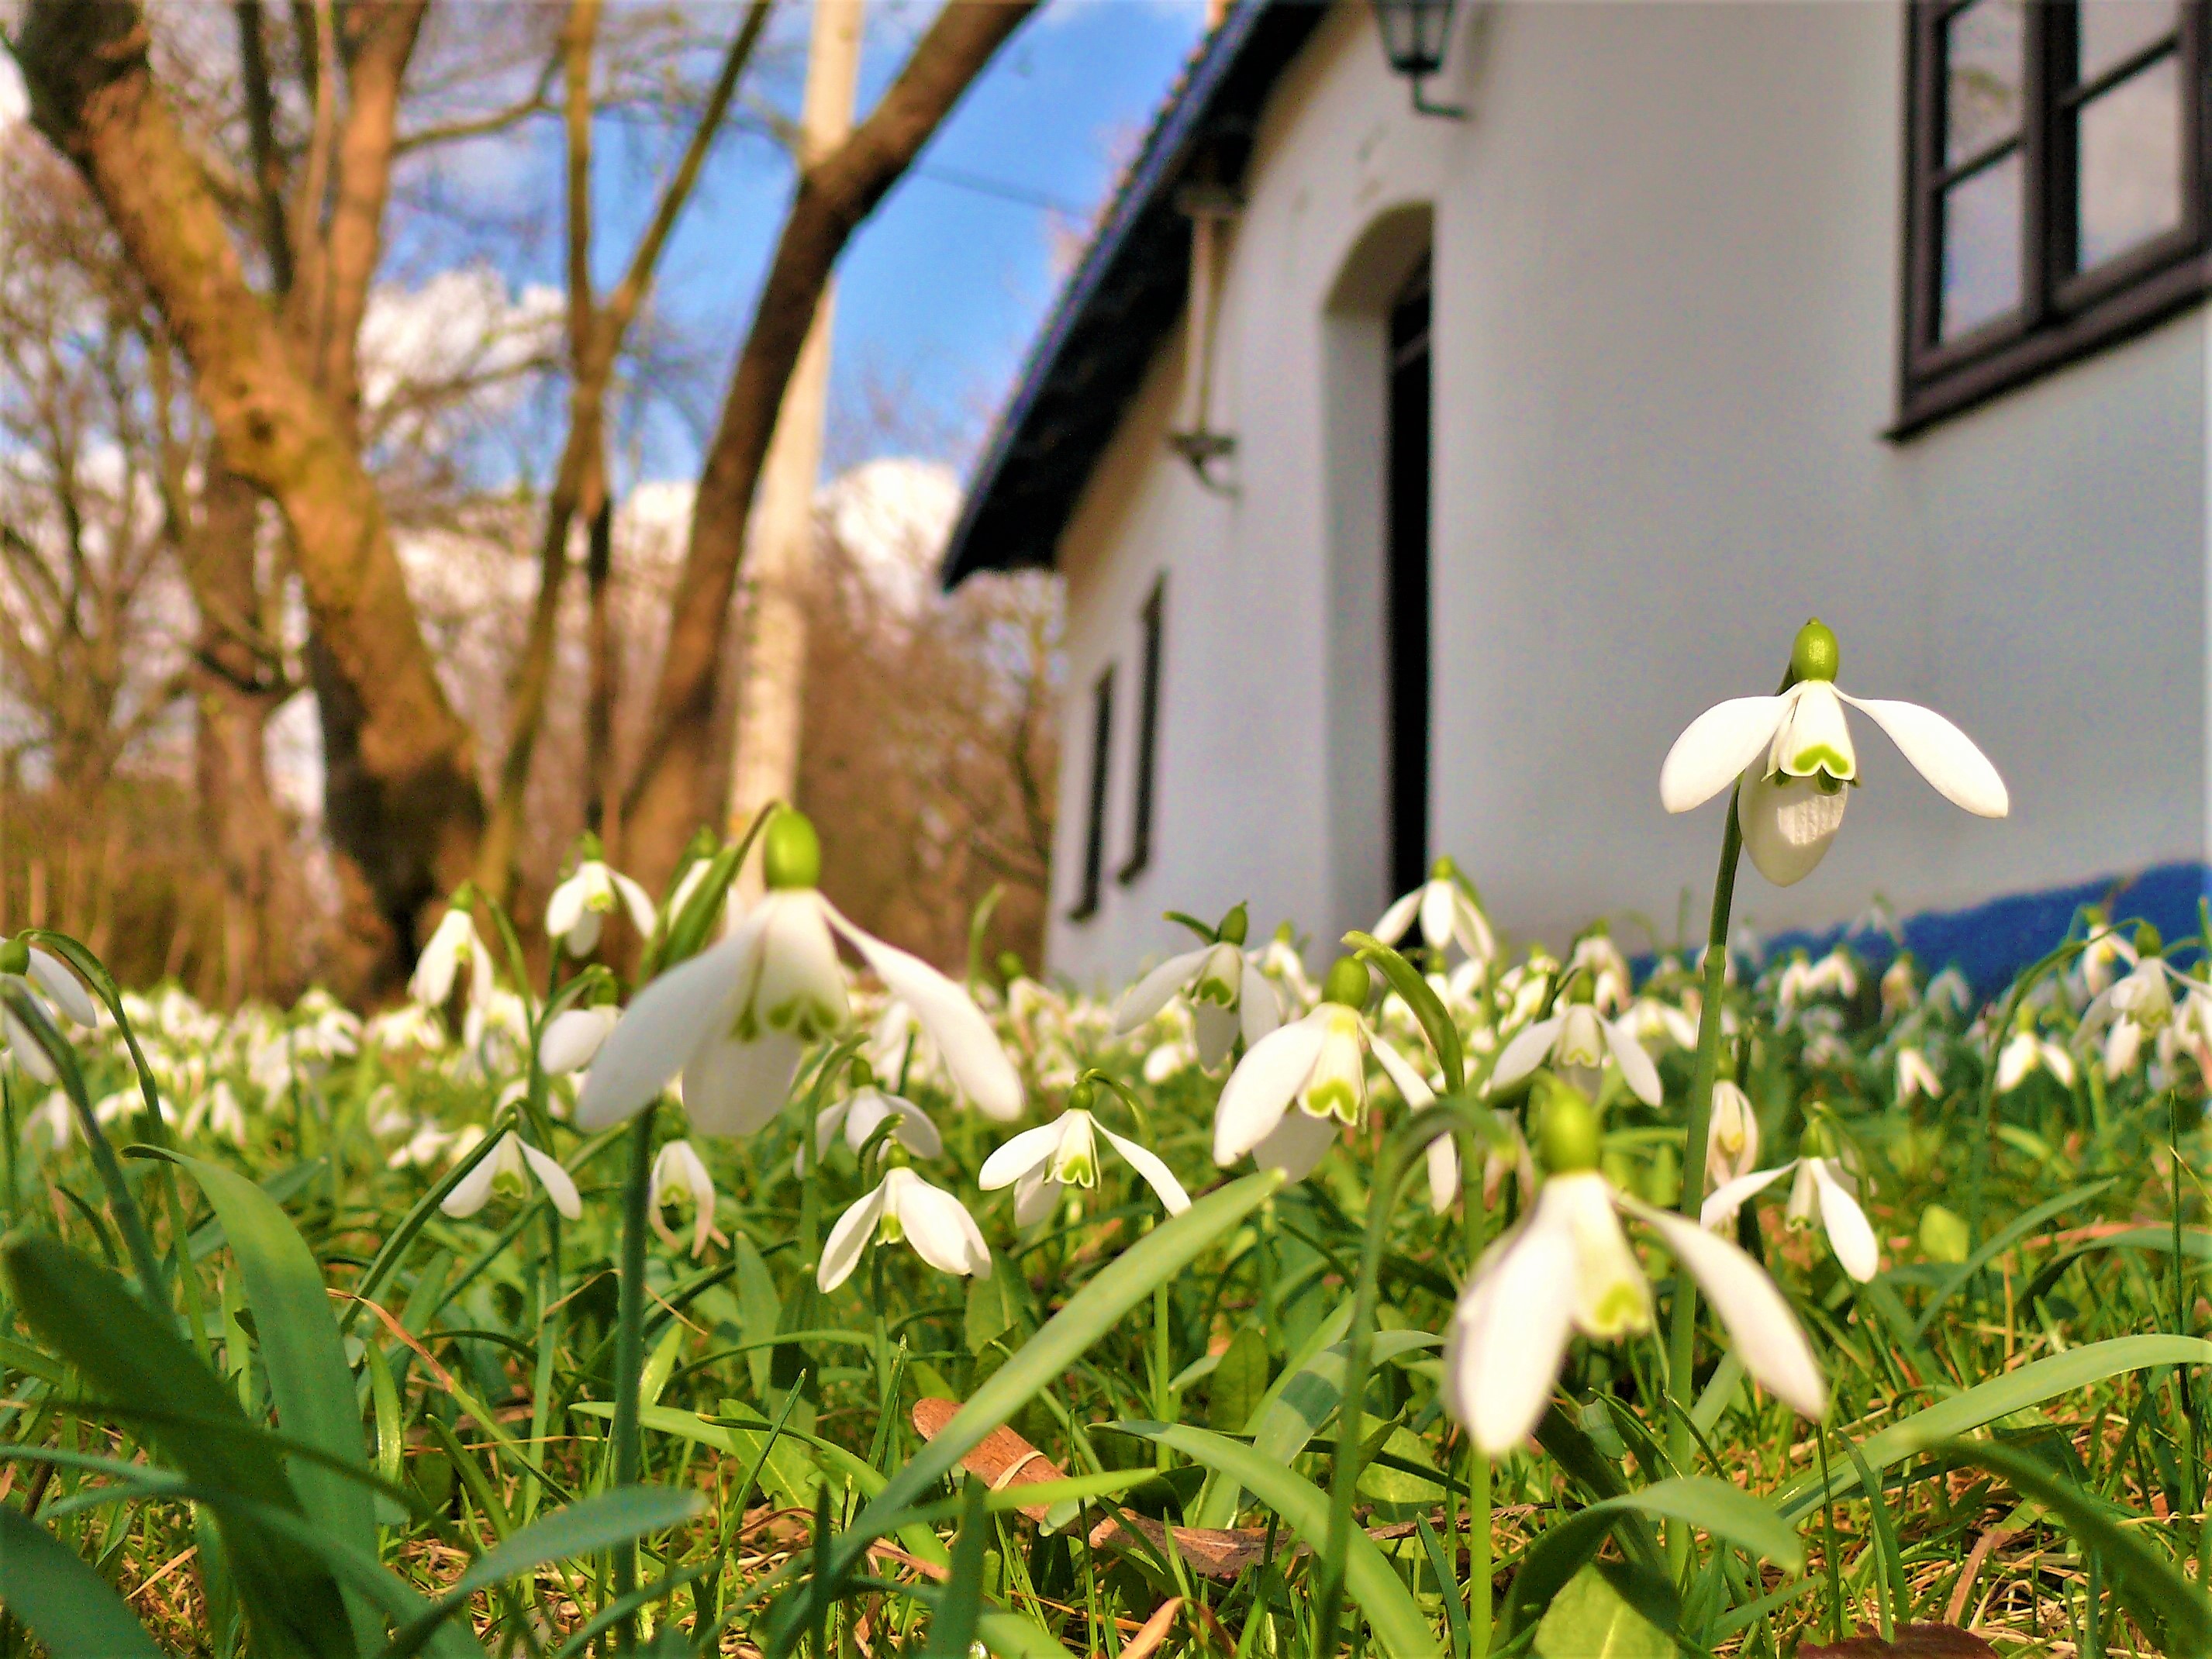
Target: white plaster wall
[[1666, 257]]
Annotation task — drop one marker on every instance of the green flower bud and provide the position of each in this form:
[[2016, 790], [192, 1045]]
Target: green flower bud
[[1081, 1097], [791, 853], [589, 847], [15, 957], [863, 1075], [2148, 942], [1234, 925], [1566, 1127], [1347, 982], [1815, 655], [1443, 869], [1817, 1140], [1943, 1236], [1010, 967]]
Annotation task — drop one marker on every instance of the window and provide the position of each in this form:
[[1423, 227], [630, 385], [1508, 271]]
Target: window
[[1406, 618], [1148, 729], [2055, 186], [1094, 827]]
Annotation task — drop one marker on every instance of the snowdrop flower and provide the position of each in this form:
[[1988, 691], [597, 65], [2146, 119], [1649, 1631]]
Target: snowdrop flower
[[1569, 1267], [1732, 1143], [1447, 912], [860, 1113], [509, 1167], [1504, 1152], [27, 966], [219, 1109], [2104, 952], [1283, 1102], [1226, 991], [1802, 980], [453, 945], [1575, 1042], [679, 1173], [1043, 1163], [423, 1147], [409, 1026], [1916, 1077], [1651, 1020], [1901, 990], [904, 1206], [734, 1019], [1596, 954], [1823, 1185], [2027, 1052], [580, 905], [2138, 1005], [1791, 804], [572, 1037]]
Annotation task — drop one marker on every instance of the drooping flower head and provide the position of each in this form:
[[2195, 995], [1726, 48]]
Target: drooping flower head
[[1448, 913], [510, 1168], [1575, 1042], [455, 944], [680, 1176], [26, 965], [864, 1109], [1792, 754], [734, 1019], [1569, 1267], [905, 1206], [1297, 1086], [580, 905], [1042, 1164], [1824, 1188], [1227, 993], [1732, 1141]]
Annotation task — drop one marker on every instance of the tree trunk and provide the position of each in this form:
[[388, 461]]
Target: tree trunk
[[403, 803], [234, 693], [667, 796]]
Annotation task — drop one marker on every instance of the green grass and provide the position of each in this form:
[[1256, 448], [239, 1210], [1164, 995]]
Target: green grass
[[255, 1464]]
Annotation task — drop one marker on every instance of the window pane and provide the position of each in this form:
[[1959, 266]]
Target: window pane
[[1981, 247], [1983, 60], [2130, 163], [2114, 29]]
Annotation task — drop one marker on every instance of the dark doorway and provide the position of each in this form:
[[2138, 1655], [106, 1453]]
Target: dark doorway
[[1406, 610]]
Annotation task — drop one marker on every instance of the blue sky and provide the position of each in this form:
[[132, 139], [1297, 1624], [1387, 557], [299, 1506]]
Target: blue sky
[[943, 289]]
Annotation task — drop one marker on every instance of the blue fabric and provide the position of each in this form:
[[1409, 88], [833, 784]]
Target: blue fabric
[[1990, 943]]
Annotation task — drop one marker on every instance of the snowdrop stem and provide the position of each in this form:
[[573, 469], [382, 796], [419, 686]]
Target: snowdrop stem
[[1682, 1324], [1402, 1152], [629, 1351], [1828, 1551], [1478, 1568], [130, 1221], [1163, 1361]]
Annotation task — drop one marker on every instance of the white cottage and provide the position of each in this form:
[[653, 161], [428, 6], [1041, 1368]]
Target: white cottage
[[1416, 477]]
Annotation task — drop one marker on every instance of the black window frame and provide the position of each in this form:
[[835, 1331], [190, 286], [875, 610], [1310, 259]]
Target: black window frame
[[1408, 621], [2062, 315], [1152, 622], [1101, 777]]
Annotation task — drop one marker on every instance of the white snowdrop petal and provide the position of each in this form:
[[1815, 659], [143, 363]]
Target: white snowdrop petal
[[64, 988], [1157, 1174], [840, 1253], [1722, 1203], [1788, 824], [636, 901], [556, 1181], [566, 908], [1017, 1157], [1151, 992], [1436, 913], [1636, 1067], [1849, 1233], [1530, 1047], [1443, 1173], [1758, 1318], [1258, 1008], [964, 1039], [1714, 748], [1510, 1335], [1400, 916], [671, 1018], [1261, 1089], [733, 1088], [1941, 753], [473, 1190], [1035, 1195], [916, 1132], [1215, 1028], [1295, 1146], [939, 1228], [572, 1037]]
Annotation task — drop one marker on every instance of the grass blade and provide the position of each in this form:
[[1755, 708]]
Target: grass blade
[[73, 1610]]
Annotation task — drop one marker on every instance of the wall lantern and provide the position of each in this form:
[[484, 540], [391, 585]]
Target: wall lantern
[[1414, 35]]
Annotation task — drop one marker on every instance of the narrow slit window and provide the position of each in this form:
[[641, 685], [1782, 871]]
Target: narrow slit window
[[2055, 188], [1094, 827], [1151, 622]]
